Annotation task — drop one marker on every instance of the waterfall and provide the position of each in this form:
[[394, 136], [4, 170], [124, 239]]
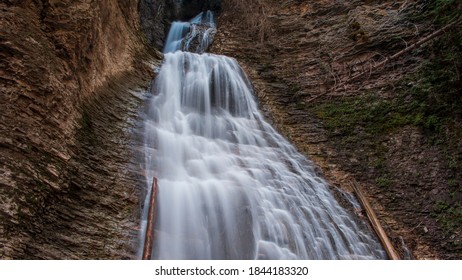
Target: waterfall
[[193, 36], [231, 187]]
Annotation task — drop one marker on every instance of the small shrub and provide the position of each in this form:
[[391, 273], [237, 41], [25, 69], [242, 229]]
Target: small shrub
[[383, 182]]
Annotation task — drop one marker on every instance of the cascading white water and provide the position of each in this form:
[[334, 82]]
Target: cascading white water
[[176, 36], [231, 187], [193, 36]]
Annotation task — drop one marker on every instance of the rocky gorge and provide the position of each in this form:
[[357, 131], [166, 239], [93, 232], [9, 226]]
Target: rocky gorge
[[70, 181]]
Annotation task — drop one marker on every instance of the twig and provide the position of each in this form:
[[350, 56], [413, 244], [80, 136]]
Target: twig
[[391, 58]]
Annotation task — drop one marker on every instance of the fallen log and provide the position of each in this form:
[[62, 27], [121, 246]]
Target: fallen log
[[386, 243], [149, 240]]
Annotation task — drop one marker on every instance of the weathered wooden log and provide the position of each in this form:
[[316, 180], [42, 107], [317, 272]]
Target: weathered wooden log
[[386, 243], [149, 240]]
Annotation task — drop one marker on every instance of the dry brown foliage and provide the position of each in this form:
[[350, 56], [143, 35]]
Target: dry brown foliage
[[256, 23]]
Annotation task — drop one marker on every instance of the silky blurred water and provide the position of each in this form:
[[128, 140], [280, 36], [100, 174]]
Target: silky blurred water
[[230, 186], [193, 36]]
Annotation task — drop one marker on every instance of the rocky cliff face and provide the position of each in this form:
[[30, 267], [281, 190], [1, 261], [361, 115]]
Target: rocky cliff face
[[393, 130], [66, 186]]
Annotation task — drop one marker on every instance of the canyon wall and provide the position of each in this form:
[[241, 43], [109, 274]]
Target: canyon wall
[[69, 105], [395, 131], [66, 187]]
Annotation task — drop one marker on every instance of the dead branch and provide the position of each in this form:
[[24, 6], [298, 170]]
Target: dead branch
[[389, 59], [388, 246]]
